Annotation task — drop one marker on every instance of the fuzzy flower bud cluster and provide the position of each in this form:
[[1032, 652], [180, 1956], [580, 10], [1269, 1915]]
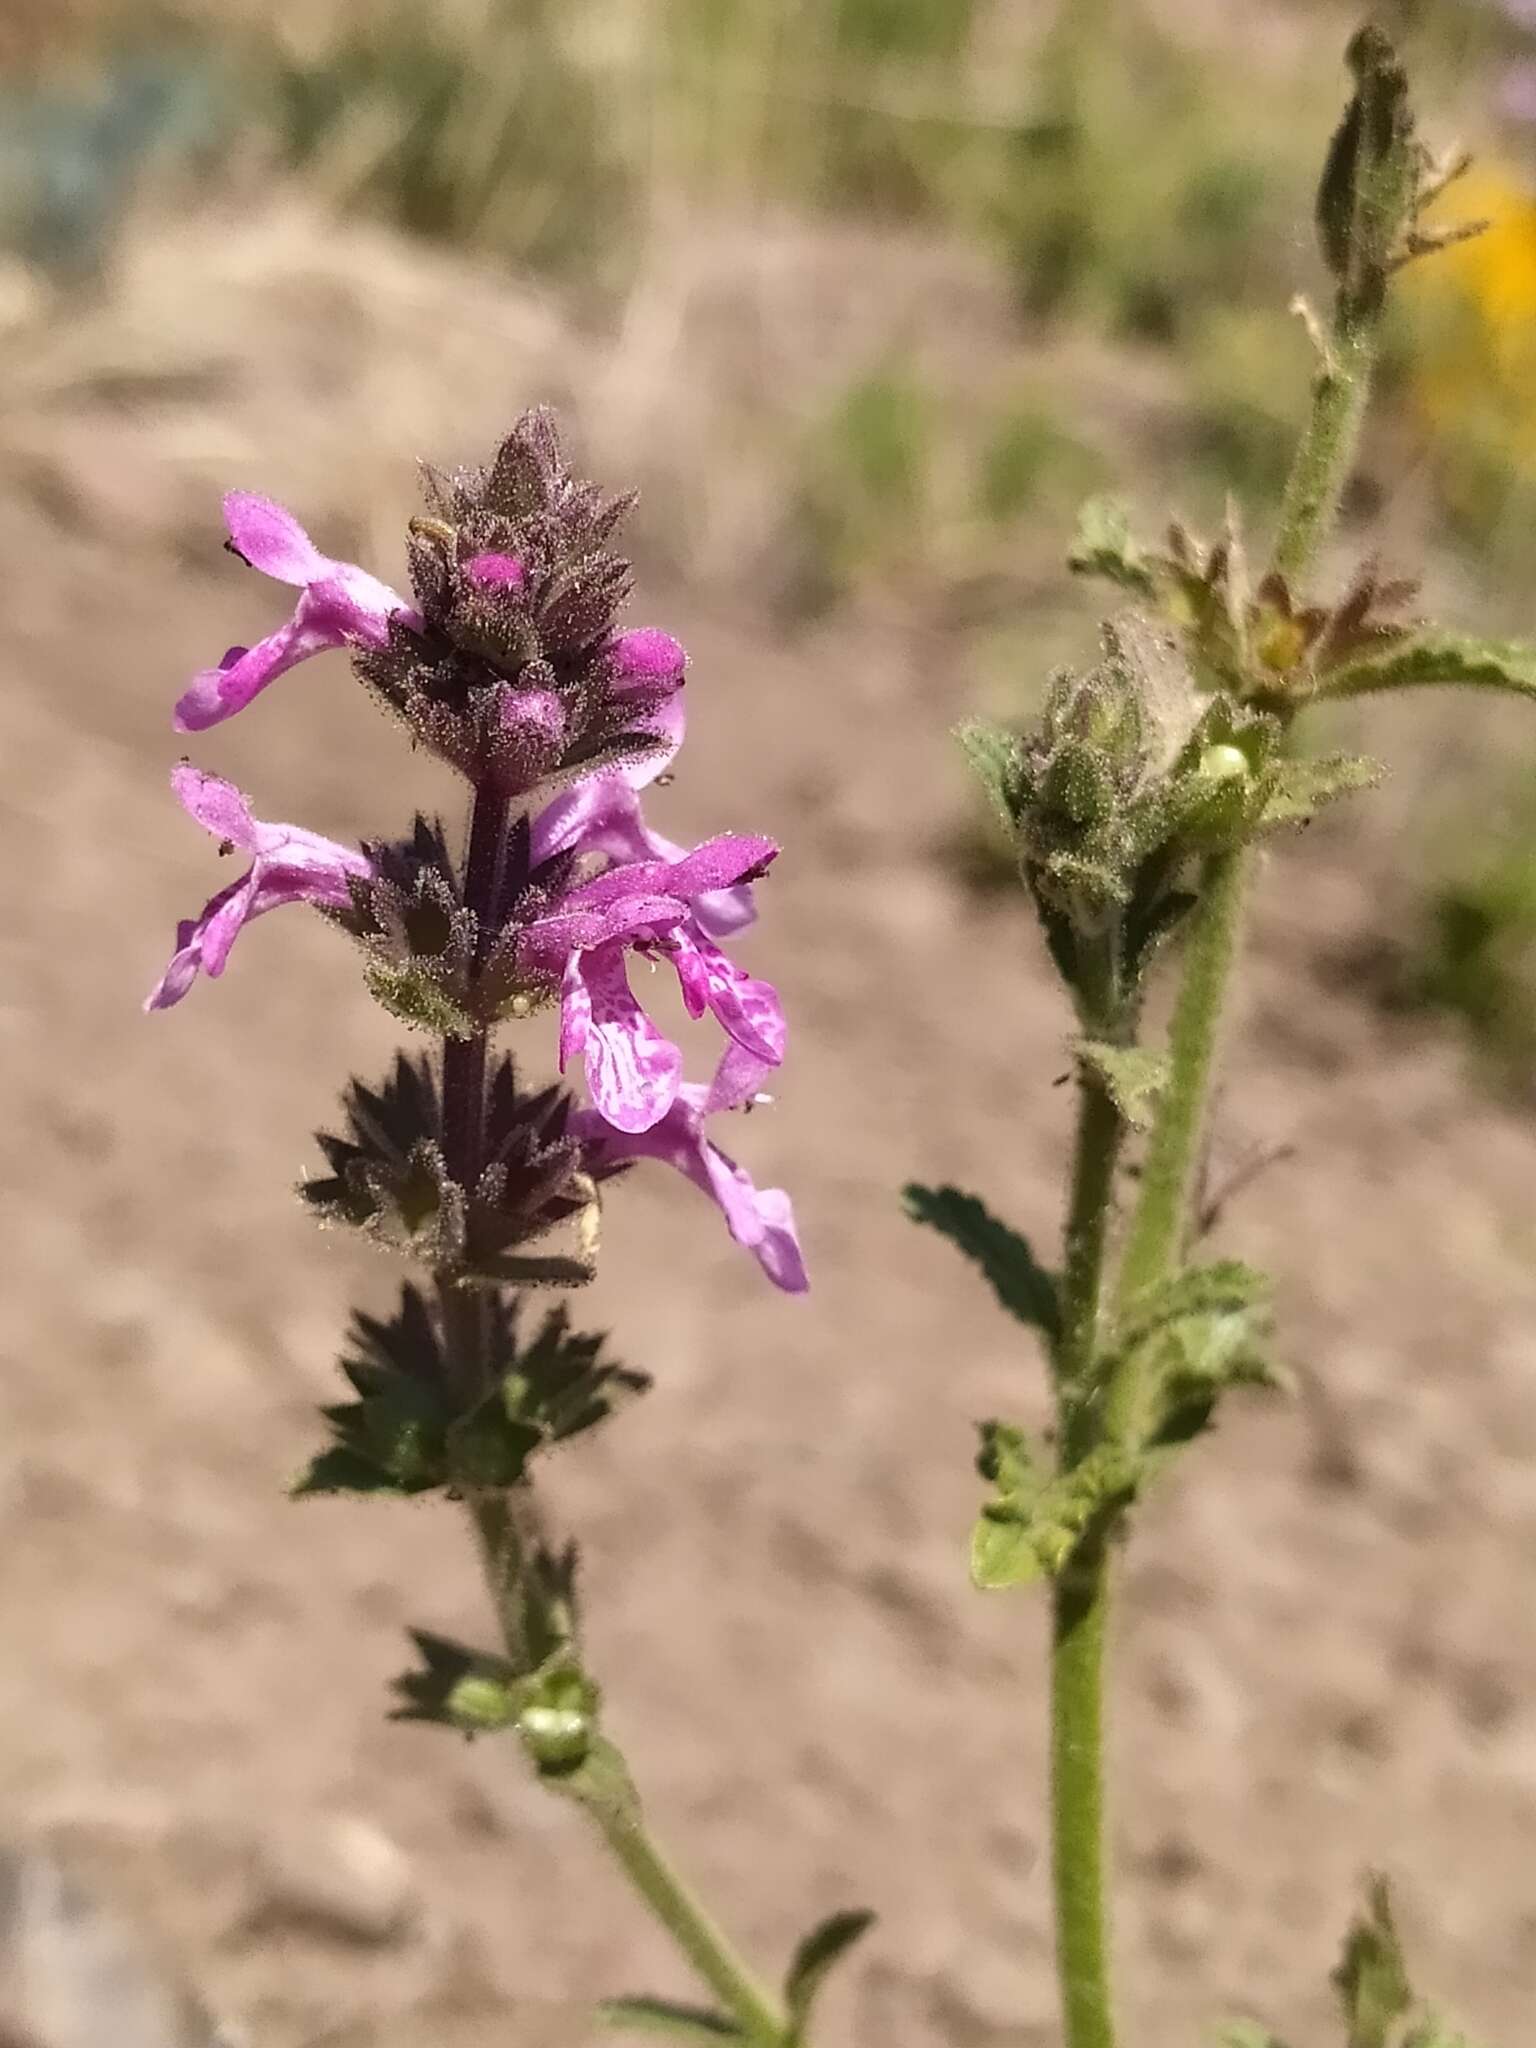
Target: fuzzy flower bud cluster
[[1135, 769]]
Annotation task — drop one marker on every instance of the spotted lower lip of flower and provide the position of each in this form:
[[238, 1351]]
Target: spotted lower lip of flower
[[340, 605], [762, 1220], [288, 865], [633, 1071]]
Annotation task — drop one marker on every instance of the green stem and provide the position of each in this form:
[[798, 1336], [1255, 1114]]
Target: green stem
[[1077, 1645], [695, 1933], [1321, 467], [1080, 1601], [1156, 1238], [1090, 1212], [1080, 1597], [1319, 473], [503, 1546], [506, 1532], [1155, 1243]]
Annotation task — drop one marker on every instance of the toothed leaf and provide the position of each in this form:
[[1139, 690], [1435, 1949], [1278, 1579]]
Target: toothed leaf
[[820, 1952], [1441, 658], [1021, 1284]]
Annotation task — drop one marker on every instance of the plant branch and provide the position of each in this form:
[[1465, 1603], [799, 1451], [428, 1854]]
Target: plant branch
[[1077, 1644], [701, 1941], [1159, 1230], [1079, 1607], [505, 1547]]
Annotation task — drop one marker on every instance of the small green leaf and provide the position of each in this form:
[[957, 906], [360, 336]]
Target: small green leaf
[[1201, 1333], [994, 754], [1301, 788], [822, 1949], [1434, 658], [1372, 1976], [1131, 1076], [662, 2016], [1103, 546], [1032, 1529], [1003, 1553], [1024, 1287], [456, 1687]]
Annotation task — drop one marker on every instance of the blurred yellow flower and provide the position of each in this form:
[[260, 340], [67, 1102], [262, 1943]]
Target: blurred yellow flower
[[1474, 310]]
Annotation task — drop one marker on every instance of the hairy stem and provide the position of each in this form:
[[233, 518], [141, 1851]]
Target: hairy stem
[[701, 1941], [1321, 466], [503, 1549], [504, 1545], [1079, 1603], [1156, 1242], [1157, 1234], [1077, 1795]]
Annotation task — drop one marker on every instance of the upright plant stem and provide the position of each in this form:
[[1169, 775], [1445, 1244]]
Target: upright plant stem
[[1077, 1819], [695, 1933], [1311, 502], [1154, 1246], [1156, 1237], [1077, 1640], [1079, 1604], [501, 1542]]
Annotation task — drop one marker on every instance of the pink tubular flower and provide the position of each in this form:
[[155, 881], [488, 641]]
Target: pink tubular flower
[[340, 606], [760, 1219], [289, 865], [603, 815], [652, 906]]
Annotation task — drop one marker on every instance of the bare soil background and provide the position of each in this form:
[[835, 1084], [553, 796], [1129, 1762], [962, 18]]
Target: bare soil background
[[1325, 1653]]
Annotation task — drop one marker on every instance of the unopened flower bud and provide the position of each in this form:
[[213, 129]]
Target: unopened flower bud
[[481, 1705]]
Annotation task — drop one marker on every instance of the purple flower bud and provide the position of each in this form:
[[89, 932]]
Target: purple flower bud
[[647, 655], [496, 572]]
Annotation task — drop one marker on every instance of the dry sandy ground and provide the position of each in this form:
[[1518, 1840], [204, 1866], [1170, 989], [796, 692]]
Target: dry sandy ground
[[1325, 1653]]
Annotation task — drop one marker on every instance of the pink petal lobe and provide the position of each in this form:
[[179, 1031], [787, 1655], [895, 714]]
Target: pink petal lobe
[[271, 539], [216, 805]]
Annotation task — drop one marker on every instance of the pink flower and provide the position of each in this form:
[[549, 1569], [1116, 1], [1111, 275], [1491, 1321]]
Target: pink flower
[[603, 816], [761, 1219], [289, 865], [340, 606], [652, 906]]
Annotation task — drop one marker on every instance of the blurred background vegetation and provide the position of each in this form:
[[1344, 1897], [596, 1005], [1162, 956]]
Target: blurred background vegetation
[[1096, 207]]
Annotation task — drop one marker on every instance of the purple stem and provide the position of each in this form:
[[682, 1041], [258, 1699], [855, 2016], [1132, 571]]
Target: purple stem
[[464, 1070]]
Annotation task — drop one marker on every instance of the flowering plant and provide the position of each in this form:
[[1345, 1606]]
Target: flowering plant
[[510, 663], [1133, 813]]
